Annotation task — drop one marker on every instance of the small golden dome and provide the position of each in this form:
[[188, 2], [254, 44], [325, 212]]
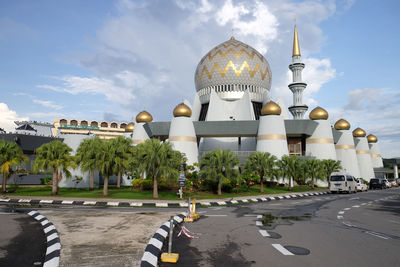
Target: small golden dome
[[359, 132], [144, 116], [318, 113], [372, 138], [271, 108], [342, 124], [129, 128], [182, 110]]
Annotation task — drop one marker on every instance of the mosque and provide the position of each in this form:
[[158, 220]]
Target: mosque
[[233, 109]]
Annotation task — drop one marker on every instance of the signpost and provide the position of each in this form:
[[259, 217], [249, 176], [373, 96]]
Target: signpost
[[182, 179]]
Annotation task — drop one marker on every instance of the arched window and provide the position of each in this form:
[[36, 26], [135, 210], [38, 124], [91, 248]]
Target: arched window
[[73, 122], [63, 122], [104, 124], [94, 124], [122, 125], [84, 123], [114, 125]]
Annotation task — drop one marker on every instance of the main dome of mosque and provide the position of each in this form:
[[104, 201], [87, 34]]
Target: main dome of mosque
[[233, 66]]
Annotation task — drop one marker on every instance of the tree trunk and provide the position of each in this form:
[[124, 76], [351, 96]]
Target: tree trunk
[[312, 183], [119, 180], [155, 187], [4, 184], [219, 188], [262, 182], [54, 186], [105, 187], [290, 184], [91, 181]]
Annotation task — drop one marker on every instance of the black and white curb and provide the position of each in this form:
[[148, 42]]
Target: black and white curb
[[154, 247], [155, 205], [52, 258]]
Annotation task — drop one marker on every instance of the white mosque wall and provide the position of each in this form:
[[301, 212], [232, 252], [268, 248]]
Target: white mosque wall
[[364, 158], [139, 134], [320, 144], [271, 136], [182, 136], [346, 153], [376, 157], [196, 108]]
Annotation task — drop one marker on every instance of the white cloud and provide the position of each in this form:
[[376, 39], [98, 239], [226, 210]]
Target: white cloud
[[47, 104], [7, 118]]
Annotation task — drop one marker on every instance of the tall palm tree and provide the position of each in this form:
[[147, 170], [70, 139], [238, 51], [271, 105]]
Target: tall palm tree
[[86, 157], [313, 170], [105, 162], [263, 163], [220, 165], [158, 159], [11, 155], [121, 160], [329, 166], [55, 156], [290, 166]]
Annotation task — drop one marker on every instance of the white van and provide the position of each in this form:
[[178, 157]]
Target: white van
[[342, 182]]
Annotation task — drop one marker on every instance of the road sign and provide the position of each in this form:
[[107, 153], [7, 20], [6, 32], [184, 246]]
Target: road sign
[[182, 179]]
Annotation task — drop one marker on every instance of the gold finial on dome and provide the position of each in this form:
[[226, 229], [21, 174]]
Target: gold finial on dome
[[129, 128], [342, 124], [182, 110], [271, 108], [144, 116], [359, 132], [296, 46], [318, 113], [372, 138]]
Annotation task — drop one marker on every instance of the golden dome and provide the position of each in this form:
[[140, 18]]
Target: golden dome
[[129, 128], [182, 110], [372, 138], [318, 113], [342, 124], [271, 108], [144, 116], [359, 132]]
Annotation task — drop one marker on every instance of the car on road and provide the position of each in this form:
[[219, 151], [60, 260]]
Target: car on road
[[387, 183], [361, 185], [377, 183], [342, 182], [393, 182]]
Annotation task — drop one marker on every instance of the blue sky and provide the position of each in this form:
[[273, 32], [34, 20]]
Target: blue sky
[[109, 60]]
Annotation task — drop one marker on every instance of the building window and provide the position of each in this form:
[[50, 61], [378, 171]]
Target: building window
[[257, 106], [114, 125], [203, 112], [104, 124], [294, 147], [84, 123], [94, 124], [63, 122], [122, 125], [74, 122]]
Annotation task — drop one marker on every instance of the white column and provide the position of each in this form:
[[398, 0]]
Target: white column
[[396, 171]]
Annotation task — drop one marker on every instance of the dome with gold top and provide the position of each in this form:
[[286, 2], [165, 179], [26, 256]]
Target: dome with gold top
[[318, 113], [182, 110], [358, 132], [342, 124], [144, 116], [231, 68], [372, 138], [129, 128], [271, 108]]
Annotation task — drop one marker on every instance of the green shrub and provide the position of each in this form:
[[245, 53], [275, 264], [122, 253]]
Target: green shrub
[[137, 183], [227, 188], [147, 184], [162, 186], [45, 180]]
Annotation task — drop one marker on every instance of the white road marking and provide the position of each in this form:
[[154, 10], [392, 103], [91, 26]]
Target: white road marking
[[356, 206], [348, 224], [216, 215], [377, 235], [394, 221], [341, 212], [354, 198], [259, 216], [347, 209], [258, 223], [282, 250], [264, 233], [250, 215], [340, 217]]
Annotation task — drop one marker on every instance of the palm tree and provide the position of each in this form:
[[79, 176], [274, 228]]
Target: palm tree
[[290, 166], [121, 145], [158, 159], [220, 165], [105, 162], [86, 157], [11, 155], [329, 166], [263, 163], [55, 156], [313, 168]]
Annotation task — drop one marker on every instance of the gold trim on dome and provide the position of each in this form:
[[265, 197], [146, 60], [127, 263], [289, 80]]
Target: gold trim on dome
[[271, 137], [183, 138], [237, 72], [362, 151], [137, 142], [319, 141], [230, 50], [345, 147], [376, 155]]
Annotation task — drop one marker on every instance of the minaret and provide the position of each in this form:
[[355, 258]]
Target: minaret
[[376, 157], [363, 154], [139, 134], [298, 109]]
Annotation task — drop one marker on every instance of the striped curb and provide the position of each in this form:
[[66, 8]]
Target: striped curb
[[154, 247], [52, 258], [157, 204]]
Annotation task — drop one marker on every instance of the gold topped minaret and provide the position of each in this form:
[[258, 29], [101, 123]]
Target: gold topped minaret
[[296, 46]]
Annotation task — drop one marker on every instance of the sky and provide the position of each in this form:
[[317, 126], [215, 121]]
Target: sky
[[109, 60]]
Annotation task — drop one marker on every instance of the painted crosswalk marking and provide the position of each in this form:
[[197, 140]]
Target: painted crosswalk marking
[[282, 249]]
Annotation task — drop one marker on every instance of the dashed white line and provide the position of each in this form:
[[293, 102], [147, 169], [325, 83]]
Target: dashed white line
[[363, 204], [282, 250], [347, 209], [259, 216], [216, 215], [356, 206], [264, 233], [258, 223], [377, 235], [341, 212], [340, 217], [354, 198], [348, 224]]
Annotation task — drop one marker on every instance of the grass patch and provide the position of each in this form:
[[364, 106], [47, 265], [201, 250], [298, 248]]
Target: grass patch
[[129, 193]]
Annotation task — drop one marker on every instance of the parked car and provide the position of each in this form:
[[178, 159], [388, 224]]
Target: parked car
[[342, 182], [377, 183], [387, 183], [361, 185], [393, 182]]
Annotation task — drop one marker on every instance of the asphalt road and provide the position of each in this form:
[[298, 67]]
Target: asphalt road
[[22, 241], [360, 229]]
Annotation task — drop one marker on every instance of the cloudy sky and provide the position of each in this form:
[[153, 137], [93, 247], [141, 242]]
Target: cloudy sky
[[108, 60]]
